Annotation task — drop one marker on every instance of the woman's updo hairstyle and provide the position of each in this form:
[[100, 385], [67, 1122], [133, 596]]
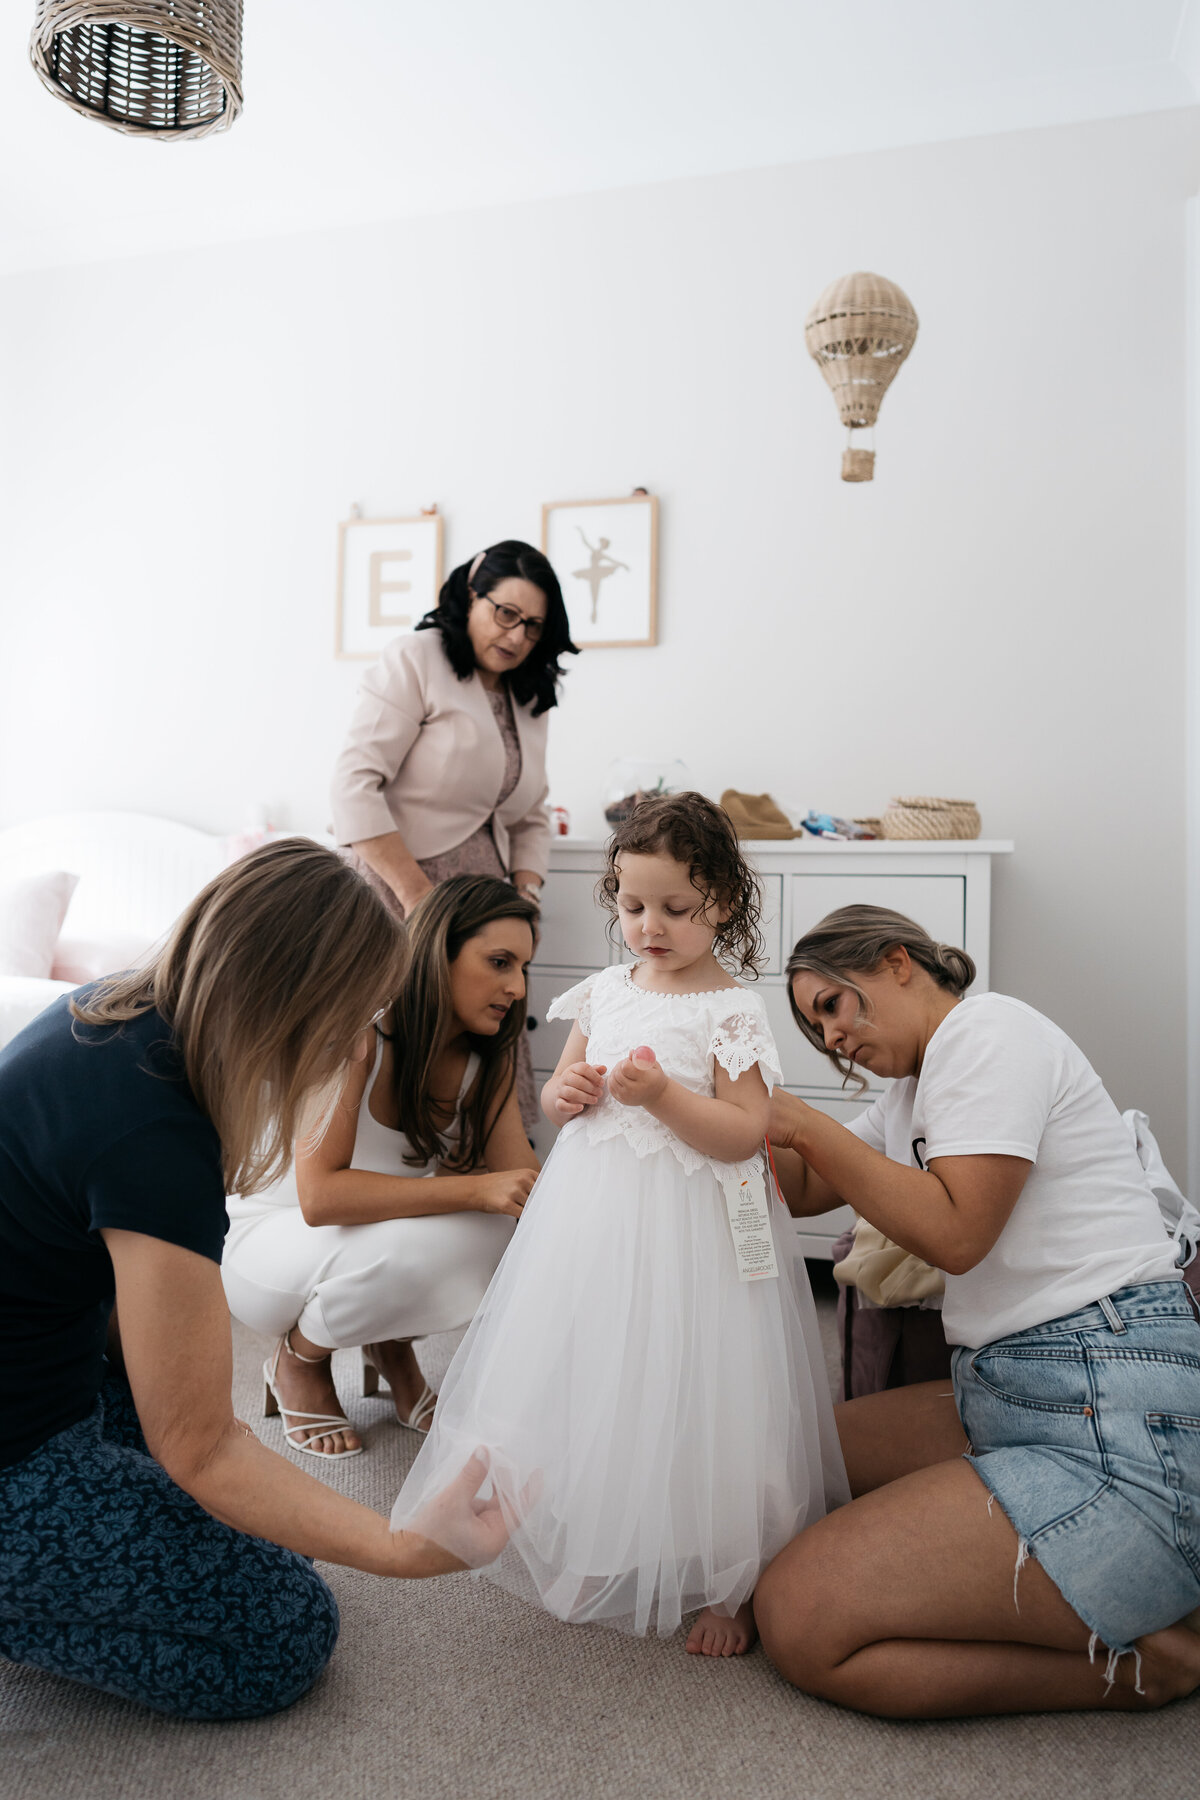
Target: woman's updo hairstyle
[[854, 941], [537, 677], [694, 831]]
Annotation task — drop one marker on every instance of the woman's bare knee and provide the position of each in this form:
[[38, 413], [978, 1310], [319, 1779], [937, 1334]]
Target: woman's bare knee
[[793, 1605]]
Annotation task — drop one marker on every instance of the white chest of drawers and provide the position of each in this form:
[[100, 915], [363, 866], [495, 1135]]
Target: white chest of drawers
[[945, 886]]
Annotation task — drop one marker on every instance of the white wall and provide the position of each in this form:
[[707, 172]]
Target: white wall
[[1000, 615]]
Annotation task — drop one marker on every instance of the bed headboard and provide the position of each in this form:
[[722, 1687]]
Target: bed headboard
[[136, 872]]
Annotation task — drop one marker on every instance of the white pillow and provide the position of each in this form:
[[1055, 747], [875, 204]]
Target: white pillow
[[31, 916], [22, 998], [86, 959]]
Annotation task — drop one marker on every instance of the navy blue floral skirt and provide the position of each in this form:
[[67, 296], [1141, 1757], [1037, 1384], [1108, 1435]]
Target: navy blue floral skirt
[[112, 1576]]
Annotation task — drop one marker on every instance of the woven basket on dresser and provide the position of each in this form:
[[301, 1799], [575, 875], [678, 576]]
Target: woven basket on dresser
[[920, 816], [150, 68]]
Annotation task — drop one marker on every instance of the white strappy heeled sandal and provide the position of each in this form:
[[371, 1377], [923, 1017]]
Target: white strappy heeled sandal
[[425, 1402], [316, 1425]]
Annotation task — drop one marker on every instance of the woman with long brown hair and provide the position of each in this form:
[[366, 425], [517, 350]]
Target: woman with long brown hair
[[397, 1213], [154, 1548]]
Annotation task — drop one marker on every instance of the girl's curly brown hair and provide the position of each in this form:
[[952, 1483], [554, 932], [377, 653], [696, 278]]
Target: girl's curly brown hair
[[698, 833]]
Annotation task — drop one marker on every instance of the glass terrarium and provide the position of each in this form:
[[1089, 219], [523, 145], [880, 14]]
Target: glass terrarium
[[632, 779]]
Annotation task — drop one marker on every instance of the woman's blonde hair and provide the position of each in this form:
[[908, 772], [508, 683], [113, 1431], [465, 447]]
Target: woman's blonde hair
[[854, 941], [423, 1020], [266, 980]]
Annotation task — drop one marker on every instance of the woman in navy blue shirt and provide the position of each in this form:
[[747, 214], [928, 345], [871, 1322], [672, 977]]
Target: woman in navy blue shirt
[[153, 1547]]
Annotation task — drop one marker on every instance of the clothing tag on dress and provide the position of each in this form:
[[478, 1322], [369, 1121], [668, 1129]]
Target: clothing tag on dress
[[750, 1222]]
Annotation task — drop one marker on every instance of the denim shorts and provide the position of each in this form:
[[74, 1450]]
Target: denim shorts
[[1087, 1431]]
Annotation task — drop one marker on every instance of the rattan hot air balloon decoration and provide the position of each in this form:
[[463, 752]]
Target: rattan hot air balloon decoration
[[859, 332]]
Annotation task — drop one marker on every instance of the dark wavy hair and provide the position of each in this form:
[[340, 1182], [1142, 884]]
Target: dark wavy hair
[[700, 834], [423, 1019], [536, 678], [853, 941]]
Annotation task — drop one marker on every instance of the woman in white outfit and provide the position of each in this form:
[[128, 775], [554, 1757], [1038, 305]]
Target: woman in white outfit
[[394, 1220]]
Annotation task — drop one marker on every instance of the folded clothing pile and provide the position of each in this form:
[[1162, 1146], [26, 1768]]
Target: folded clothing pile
[[912, 816], [757, 816]]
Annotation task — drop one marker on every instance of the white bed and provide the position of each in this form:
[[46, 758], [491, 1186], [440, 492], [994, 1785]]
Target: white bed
[[136, 874]]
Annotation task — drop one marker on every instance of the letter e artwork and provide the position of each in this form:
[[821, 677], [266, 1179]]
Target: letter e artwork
[[389, 575]]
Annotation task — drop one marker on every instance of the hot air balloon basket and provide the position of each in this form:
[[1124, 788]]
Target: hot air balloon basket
[[919, 816], [858, 465]]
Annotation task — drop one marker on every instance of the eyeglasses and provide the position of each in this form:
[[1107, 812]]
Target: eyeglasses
[[508, 618]]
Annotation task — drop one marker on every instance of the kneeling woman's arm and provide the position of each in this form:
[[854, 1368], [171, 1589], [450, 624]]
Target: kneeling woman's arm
[[178, 1354], [332, 1193], [949, 1214]]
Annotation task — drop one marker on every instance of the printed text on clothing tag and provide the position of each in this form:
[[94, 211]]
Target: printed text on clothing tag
[[750, 1222]]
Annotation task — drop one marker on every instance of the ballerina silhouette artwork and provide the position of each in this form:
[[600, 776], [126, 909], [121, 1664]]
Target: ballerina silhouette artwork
[[601, 566]]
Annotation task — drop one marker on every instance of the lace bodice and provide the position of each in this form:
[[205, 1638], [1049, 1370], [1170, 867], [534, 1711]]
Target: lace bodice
[[688, 1033]]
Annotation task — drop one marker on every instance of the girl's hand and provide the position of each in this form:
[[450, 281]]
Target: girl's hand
[[504, 1191], [638, 1081], [581, 1084]]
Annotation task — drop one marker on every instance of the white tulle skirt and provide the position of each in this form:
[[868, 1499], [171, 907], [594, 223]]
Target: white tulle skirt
[[656, 1429]]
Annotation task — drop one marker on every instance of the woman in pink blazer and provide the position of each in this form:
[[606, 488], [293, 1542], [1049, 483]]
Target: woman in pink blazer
[[444, 768]]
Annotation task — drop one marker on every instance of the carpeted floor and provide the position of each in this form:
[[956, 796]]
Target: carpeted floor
[[449, 1690]]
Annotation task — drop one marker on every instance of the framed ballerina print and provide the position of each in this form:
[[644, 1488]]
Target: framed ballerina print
[[389, 574], [605, 554]]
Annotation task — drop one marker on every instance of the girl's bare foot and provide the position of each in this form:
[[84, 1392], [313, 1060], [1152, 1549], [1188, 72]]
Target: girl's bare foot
[[304, 1380], [398, 1365], [722, 1634]]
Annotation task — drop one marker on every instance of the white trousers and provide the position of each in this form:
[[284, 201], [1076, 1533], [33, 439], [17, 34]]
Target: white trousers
[[347, 1285]]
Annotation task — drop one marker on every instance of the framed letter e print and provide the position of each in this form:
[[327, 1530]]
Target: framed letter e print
[[389, 574], [605, 554]]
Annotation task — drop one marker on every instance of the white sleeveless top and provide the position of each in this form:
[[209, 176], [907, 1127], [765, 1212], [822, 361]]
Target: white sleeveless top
[[376, 1147], [382, 1150]]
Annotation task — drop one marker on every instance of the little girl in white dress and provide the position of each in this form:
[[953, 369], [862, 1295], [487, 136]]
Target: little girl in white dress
[[645, 1376]]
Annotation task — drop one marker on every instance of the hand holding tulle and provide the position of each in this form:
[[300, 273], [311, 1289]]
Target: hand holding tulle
[[639, 1080], [458, 1530]]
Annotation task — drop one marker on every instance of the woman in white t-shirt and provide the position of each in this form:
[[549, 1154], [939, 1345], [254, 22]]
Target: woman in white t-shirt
[[1011, 1540]]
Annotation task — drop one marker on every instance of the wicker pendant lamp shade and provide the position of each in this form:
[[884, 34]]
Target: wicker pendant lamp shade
[[859, 332], [149, 68]]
